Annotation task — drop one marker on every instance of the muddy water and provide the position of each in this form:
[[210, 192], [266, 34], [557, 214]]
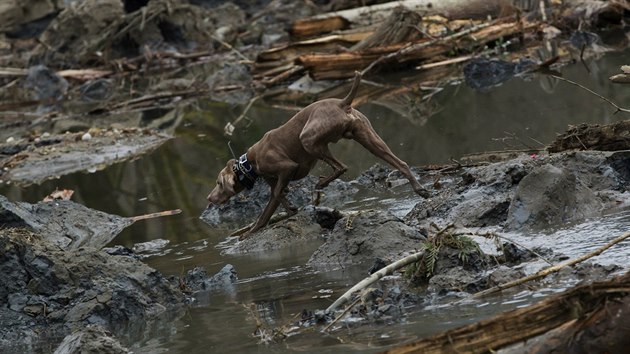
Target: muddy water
[[275, 285]]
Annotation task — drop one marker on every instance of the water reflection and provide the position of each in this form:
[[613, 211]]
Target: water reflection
[[519, 114]]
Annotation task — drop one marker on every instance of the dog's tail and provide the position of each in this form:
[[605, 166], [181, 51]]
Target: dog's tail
[[346, 103]]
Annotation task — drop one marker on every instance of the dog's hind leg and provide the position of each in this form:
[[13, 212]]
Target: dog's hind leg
[[365, 135], [315, 137]]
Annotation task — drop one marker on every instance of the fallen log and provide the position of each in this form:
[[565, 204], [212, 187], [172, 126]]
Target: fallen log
[[596, 316], [286, 55], [369, 15]]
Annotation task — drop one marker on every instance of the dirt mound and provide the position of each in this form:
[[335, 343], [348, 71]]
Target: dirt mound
[[551, 196], [364, 236], [49, 292]]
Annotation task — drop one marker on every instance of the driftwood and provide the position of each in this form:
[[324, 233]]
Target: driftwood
[[369, 15], [609, 137], [400, 27], [342, 65], [587, 316], [373, 278]]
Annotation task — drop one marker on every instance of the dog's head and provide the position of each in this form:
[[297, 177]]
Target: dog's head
[[227, 185]]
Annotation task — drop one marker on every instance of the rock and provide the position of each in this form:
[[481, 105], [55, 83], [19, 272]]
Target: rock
[[45, 85], [482, 73], [66, 153], [14, 13], [503, 275], [96, 90], [197, 279], [72, 35], [66, 224], [247, 205], [92, 339], [550, 196], [152, 246], [75, 288], [455, 279], [360, 238], [296, 229]]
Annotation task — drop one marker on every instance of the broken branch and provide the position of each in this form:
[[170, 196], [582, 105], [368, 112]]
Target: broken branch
[[373, 278], [553, 269]]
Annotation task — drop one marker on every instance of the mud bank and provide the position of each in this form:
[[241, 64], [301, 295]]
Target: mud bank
[[50, 292], [529, 192], [59, 281], [38, 158]]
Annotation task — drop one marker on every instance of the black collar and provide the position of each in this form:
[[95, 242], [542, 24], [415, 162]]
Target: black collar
[[244, 171]]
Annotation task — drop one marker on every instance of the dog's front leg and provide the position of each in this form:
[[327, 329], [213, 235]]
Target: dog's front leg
[[277, 197]]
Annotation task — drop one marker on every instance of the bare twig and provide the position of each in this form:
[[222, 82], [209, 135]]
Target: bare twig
[[230, 47], [553, 269], [417, 46], [229, 127], [342, 314], [619, 109], [444, 62], [156, 215]]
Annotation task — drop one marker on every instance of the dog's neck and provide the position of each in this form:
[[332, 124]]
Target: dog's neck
[[244, 172]]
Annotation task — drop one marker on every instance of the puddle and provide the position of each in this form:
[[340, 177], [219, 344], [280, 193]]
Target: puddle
[[179, 174]]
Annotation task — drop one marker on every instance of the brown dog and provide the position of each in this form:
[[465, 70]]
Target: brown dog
[[290, 152]]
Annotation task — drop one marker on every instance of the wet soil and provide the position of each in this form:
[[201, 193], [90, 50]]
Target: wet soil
[[63, 283], [34, 160], [51, 292]]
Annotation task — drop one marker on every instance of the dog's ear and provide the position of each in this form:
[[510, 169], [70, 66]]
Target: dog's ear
[[230, 182]]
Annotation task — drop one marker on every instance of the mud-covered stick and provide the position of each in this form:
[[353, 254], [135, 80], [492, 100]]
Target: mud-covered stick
[[156, 215]]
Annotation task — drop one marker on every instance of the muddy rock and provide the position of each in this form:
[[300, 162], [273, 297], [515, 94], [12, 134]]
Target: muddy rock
[[197, 279], [50, 292], [247, 205], [518, 193], [45, 85], [64, 223], [364, 236], [88, 28], [550, 196], [72, 34], [298, 228], [14, 13], [93, 339]]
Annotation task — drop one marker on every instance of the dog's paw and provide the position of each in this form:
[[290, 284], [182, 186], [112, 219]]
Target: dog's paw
[[423, 192], [244, 236]]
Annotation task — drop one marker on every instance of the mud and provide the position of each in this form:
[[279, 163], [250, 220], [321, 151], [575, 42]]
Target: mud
[[535, 192], [532, 192], [59, 284], [247, 206], [364, 236], [50, 292], [66, 224], [36, 159], [92, 339]]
